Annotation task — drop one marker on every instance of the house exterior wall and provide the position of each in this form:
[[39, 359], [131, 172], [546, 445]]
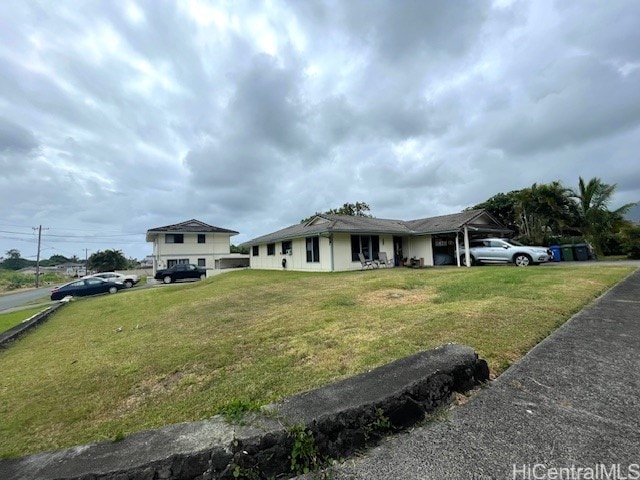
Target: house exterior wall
[[342, 251], [421, 247], [215, 246], [296, 261], [339, 246]]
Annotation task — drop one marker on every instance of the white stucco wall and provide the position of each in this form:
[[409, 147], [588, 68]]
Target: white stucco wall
[[215, 246], [340, 245], [342, 251], [420, 247], [296, 261]]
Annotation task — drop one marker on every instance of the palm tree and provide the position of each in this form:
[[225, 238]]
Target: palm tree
[[544, 210], [595, 219]]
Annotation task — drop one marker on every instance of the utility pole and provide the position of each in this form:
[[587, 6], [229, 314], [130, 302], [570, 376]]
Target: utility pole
[[86, 261], [38, 257]]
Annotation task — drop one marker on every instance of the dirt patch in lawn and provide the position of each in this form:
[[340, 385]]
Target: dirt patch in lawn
[[394, 296]]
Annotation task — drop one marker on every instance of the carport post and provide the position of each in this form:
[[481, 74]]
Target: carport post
[[467, 259]]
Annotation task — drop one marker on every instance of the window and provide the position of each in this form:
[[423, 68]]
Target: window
[[173, 262], [286, 247], [368, 245], [255, 250], [174, 238], [202, 262], [201, 238], [271, 248], [313, 249]]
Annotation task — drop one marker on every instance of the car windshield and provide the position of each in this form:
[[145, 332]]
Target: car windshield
[[513, 242]]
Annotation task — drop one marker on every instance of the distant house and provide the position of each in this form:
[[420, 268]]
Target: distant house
[[330, 243], [192, 241], [72, 269], [147, 262]]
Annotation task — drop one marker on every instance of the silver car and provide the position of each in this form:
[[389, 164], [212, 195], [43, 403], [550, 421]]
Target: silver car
[[129, 280], [503, 250]]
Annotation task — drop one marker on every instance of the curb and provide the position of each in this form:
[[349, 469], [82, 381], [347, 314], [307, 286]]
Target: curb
[[11, 335], [300, 434]]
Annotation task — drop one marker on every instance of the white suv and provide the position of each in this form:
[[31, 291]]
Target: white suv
[[502, 250]]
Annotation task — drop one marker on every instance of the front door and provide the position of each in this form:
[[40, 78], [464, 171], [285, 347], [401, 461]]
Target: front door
[[397, 251]]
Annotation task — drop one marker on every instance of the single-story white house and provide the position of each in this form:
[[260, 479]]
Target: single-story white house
[[192, 242], [329, 243]]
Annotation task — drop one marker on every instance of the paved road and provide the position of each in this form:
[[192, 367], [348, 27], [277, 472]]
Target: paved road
[[12, 301], [25, 299], [572, 402]]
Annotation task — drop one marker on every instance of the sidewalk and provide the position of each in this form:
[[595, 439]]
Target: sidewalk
[[573, 401]]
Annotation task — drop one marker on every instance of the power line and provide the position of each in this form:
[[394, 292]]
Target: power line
[[74, 229]]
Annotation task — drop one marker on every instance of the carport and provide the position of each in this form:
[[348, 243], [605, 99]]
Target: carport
[[448, 232]]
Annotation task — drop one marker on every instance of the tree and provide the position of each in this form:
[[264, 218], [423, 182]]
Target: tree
[[502, 206], [54, 260], [544, 211], [358, 209], [13, 253], [107, 261], [14, 261], [595, 220], [237, 249], [631, 241]]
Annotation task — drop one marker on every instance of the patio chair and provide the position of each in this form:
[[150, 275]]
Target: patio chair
[[365, 263], [383, 261]]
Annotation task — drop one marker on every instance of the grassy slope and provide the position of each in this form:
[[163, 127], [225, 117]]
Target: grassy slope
[[8, 320], [112, 365]]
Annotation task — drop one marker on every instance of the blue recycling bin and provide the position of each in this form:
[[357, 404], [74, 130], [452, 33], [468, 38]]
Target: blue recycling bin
[[556, 251]]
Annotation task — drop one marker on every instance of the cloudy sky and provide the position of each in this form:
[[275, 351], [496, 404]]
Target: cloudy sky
[[120, 116]]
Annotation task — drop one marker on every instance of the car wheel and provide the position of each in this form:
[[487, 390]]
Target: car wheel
[[113, 289], [128, 284], [167, 279], [522, 260], [463, 260], [203, 276]]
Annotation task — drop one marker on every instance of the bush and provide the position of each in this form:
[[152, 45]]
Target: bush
[[631, 242]]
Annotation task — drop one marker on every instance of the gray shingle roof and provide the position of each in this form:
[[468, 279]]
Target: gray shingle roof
[[445, 223], [191, 226], [324, 223]]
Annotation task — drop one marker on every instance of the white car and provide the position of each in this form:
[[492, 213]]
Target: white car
[[128, 280], [502, 250]]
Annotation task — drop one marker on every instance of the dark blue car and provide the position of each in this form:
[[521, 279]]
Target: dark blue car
[[84, 287]]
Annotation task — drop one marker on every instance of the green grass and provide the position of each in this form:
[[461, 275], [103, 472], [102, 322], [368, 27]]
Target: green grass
[[8, 320], [11, 280], [108, 366]]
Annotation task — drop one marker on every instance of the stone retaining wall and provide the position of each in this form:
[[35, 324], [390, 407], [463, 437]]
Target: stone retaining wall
[[15, 332], [331, 422]]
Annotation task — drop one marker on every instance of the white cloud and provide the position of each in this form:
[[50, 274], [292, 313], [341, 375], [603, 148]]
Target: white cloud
[[129, 115]]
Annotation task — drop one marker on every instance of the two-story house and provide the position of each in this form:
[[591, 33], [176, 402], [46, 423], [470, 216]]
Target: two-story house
[[189, 242]]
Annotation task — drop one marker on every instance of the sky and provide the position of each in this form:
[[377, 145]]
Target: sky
[[120, 116]]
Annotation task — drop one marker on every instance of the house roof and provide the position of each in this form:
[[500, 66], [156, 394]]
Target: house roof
[[324, 223], [478, 220], [190, 226]]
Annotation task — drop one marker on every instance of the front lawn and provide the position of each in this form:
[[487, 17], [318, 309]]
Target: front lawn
[[108, 366]]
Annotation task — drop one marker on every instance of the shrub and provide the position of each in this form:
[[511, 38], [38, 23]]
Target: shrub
[[631, 242]]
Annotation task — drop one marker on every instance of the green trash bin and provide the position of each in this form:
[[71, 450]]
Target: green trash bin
[[581, 251], [567, 253]]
